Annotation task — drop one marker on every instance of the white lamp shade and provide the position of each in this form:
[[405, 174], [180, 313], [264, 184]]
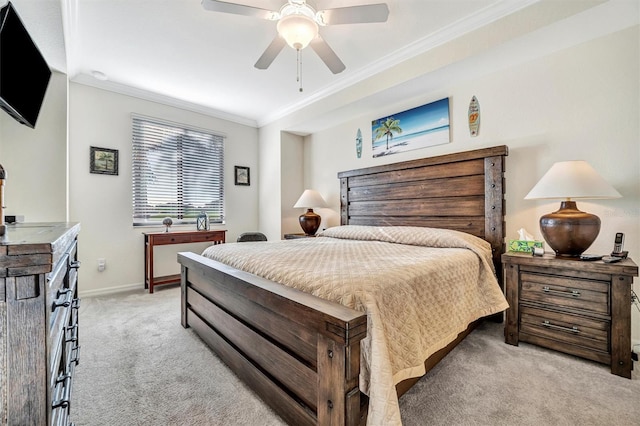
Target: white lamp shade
[[309, 199], [297, 30], [570, 180]]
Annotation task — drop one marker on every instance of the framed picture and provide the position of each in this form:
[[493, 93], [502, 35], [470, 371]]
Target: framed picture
[[242, 176], [103, 161], [420, 127]]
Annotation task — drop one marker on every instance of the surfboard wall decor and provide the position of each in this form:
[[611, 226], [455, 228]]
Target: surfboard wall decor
[[474, 117], [359, 143]]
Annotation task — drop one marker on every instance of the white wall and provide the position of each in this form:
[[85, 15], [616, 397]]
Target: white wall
[[292, 181], [36, 159], [580, 103], [103, 203], [270, 178]]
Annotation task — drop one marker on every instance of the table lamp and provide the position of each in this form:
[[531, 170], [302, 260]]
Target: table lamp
[[569, 231], [310, 221]]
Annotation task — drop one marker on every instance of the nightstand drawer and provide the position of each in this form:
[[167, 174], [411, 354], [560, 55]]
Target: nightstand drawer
[[565, 328], [586, 295]]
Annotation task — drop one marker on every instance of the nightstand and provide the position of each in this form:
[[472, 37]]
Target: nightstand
[[577, 307], [295, 236]]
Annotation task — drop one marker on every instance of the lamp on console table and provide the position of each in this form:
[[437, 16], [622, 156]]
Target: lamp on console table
[[310, 221], [569, 231]]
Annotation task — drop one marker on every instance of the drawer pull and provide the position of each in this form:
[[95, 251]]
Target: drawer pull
[[56, 305], [62, 291], [573, 329], [75, 356], [574, 293], [75, 264], [66, 303], [71, 334], [75, 303], [66, 397]]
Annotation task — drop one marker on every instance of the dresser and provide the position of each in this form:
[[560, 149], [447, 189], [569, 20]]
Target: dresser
[[38, 322], [578, 307]]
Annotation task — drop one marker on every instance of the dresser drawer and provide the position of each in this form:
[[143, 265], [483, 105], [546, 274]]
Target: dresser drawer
[[586, 295], [63, 369], [568, 329]]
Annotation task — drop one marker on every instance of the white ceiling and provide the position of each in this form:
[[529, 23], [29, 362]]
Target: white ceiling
[[175, 51]]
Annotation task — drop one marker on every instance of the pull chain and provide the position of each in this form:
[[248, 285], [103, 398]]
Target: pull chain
[[299, 68]]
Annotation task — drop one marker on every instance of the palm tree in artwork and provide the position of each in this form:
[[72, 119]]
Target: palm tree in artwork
[[388, 128], [104, 160]]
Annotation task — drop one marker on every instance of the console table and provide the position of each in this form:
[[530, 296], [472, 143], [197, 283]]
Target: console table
[[152, 239]]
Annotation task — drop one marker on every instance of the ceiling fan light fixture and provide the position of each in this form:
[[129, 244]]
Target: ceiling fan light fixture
[[297, 30]]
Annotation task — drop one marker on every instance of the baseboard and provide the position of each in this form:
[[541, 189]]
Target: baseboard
[[110, 290]]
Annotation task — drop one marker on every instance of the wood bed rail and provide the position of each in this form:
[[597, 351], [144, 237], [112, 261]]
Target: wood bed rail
[[300, 353]]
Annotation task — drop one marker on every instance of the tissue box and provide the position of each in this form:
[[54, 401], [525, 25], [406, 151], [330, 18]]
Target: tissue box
[[523, 246]]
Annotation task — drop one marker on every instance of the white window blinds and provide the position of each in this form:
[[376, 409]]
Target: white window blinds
[[178, 172]]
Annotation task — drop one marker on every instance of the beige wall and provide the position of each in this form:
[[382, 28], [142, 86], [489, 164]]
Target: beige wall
[[579, 103], [292, 181], [269, 177], [36, 159], [103, 203]]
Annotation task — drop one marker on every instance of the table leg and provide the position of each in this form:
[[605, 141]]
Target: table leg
[[146, 263], [150, 266]]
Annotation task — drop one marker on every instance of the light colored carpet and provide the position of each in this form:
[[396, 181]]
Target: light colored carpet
[[138, 366]]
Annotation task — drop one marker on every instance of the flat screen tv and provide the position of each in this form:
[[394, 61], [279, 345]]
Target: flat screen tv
[[24, 74]]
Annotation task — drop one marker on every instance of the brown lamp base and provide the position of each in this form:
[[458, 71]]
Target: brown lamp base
[[310, 222], [569, 231]]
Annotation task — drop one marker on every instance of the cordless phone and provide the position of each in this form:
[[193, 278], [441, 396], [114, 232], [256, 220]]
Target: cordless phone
[[617, 244], [617, 253]]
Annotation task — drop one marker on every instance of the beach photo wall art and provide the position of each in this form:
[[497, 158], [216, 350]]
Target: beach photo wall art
[[420, 127]]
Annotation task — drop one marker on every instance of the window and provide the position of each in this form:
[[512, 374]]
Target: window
[[178, 172]]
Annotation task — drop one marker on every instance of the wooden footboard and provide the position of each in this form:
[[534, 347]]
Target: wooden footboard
[[300, 353]]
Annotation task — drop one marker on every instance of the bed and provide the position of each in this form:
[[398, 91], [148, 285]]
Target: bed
[[302, 353]]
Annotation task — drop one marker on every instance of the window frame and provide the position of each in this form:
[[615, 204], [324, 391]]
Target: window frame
[[170, 146]]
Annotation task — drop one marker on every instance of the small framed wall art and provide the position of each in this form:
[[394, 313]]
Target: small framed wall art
[[242, 176], [103, 161]]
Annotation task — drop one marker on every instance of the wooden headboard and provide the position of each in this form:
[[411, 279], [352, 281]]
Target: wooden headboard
[[462, 191]]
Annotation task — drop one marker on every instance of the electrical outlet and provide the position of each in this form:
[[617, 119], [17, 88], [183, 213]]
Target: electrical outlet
[[102, 264]]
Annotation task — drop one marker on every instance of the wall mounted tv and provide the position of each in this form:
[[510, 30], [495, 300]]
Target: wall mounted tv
[[24, 74]]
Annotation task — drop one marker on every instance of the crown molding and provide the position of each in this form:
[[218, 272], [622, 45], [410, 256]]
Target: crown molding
[[146, 95], [449, 33]]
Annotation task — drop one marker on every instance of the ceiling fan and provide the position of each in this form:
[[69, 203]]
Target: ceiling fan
[[298, 24]]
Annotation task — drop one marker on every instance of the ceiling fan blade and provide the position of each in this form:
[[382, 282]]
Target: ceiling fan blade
[[327, 55], [238, 9], [270, 53], [355, 14]]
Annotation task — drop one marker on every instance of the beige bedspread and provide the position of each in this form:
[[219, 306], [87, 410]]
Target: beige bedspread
[[420, 287]]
